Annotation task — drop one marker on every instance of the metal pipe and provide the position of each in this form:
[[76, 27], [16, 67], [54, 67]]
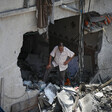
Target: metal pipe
[[81, 40], [69, 8]]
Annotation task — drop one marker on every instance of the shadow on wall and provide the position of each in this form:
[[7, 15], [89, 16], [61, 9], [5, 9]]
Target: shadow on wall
[[33, 57]]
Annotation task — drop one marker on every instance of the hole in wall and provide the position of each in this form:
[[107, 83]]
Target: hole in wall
[[35, 50], [67, 31], [33, 56]]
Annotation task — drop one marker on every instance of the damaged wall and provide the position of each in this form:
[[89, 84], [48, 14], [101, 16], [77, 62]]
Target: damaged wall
[[33, 56], [12, 29], [105, 55], [11, 37]]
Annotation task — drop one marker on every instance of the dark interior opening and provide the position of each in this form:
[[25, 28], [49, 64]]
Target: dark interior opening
[[35, 50], [67, 31], [33, 57]]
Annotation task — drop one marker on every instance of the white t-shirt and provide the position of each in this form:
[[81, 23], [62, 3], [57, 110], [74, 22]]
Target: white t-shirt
[[60, 58]]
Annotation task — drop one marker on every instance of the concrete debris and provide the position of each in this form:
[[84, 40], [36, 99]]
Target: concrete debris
[[99, 94], [44, 110], [88, 104], [107, 88], [28, 85], [100, 78], [93, 98], [57, 87], [50, 92], [41, 85], [65, 100]]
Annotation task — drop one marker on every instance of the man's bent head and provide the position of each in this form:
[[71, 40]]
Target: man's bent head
[[61, 47]]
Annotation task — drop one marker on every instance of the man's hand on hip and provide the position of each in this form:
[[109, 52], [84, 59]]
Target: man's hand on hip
[[48, 66], [66, 62]]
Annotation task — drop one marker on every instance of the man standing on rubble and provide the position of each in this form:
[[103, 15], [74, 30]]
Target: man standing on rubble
[[62, 56]]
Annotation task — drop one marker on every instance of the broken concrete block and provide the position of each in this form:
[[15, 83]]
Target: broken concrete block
[[99, 94], [88, 104], [50, 92], [65, 100], [41, 85]]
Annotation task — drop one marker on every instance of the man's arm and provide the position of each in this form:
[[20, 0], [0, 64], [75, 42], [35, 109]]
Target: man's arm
[[49, 63], [70, 55], [52, 55], [70, 58]]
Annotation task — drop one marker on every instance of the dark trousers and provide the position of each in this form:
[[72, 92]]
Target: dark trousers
[[61, 75]]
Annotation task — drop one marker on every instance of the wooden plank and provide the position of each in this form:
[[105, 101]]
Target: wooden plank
[[26, 105]]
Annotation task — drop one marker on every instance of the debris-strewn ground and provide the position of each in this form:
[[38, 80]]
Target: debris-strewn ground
[[85, 98]]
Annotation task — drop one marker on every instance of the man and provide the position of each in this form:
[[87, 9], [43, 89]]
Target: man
[[62, 56]]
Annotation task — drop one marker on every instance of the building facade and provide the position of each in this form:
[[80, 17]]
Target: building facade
[[15, 21]]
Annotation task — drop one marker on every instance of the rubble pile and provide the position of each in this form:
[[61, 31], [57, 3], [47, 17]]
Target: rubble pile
[[104, 99], [85, 98], [97, 100]]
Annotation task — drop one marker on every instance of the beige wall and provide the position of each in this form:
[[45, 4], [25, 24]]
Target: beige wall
[[13, 4], [11, 38], [101, 6]]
